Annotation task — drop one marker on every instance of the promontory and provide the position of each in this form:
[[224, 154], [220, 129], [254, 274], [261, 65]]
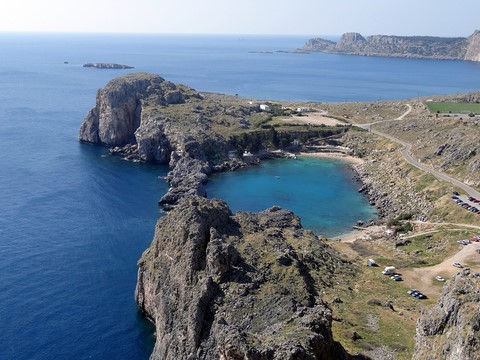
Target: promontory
[[426, 47], [259, 286]]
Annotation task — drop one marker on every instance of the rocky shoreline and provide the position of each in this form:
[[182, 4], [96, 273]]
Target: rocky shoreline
[[251, 286], [219, 286], [143, 117], [107, 66], [418, 47], [130, 117]]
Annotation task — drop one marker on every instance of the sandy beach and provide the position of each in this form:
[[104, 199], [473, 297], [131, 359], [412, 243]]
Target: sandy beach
[[349, 237], [351, 159]]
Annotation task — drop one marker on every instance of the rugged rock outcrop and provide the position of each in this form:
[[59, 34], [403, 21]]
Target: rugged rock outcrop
[[451, 330], [131, 115], [146, 118], [120, 104], [473, 48], [430, 47], [107, 66], [244, 286]]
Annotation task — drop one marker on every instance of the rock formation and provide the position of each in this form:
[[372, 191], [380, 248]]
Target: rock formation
[[244, 286], [118, 111], [451, 329], [401, 46], [128, 116], [146, 118], [107, 66], [473, 49]]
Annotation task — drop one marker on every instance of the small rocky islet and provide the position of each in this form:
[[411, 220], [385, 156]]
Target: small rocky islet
[[245, 286], [106, 66]]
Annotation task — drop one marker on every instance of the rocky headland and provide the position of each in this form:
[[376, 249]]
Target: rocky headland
[[107, 66], [244, 286], [144, 117], [258, 286], [451, 329], [425, 47]]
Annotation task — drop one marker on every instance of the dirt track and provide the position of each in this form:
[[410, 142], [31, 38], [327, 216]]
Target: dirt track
[[423, 278], [318, 118]]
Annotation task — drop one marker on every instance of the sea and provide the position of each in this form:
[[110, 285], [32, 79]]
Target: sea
[[74, 221]]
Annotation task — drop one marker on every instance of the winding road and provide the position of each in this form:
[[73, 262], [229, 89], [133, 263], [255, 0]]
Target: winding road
[[405, 151]]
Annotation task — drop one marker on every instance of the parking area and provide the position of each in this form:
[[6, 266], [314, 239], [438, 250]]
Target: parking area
[[467, 202]]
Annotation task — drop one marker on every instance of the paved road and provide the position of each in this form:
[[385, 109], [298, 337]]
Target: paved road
[[405, 151]]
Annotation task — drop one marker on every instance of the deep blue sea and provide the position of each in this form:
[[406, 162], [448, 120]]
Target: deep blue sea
[[73, 222]]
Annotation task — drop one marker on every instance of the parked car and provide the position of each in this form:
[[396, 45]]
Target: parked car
[[471, 198], [457, 265], [439, 278], [389, 270], [417, 294], [396, 278], [456, 193], [464, 242], [455, 197], [371, 262]]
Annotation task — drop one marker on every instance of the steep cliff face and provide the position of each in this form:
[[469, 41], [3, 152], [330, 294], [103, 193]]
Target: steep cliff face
[[219, 286], [473, 48], [118, 111], [350, 43], [402, 46], [146, 118], [451, 330], [137, 115]]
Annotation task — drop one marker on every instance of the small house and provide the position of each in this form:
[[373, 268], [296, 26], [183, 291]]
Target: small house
[[303, 109]]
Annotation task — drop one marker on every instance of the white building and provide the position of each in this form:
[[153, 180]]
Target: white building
[[303, 109]]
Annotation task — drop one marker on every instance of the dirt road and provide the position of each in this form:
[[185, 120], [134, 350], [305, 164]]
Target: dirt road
[[405, 151], [423, 279]]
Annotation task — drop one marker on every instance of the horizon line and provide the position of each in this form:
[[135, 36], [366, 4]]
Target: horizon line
[[73, 32]]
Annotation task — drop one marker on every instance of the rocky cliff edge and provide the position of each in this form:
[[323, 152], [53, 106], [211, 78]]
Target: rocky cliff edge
[[429, 47], [231, 287], [451, 329], [144, 117]]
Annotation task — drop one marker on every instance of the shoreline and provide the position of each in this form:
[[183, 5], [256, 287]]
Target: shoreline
[[348, 237], [347, 158]]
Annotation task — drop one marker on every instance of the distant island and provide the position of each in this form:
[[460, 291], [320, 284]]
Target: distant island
[[422, 47], [107, 66]]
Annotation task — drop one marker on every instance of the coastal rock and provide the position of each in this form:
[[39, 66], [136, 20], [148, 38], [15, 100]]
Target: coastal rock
[[107, 66], [430, 47], [119, 106], [351, 42], [451, 329], [146, 118], [213, 286], [473, 48]]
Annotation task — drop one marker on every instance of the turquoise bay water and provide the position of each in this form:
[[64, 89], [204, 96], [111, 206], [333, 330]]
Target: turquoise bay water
[[321, 191], [73, 223]]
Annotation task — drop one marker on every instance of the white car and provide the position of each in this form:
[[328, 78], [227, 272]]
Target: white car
[[457, 265], [439, 278]]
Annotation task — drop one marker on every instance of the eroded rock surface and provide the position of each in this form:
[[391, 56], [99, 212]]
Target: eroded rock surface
[[244, 286], [451, 329], [430, 47], [118, 111]]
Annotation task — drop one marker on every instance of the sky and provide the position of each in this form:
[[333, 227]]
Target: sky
[[279, 17]]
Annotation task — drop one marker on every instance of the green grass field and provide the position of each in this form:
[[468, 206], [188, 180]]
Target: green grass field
[[456, 108]]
